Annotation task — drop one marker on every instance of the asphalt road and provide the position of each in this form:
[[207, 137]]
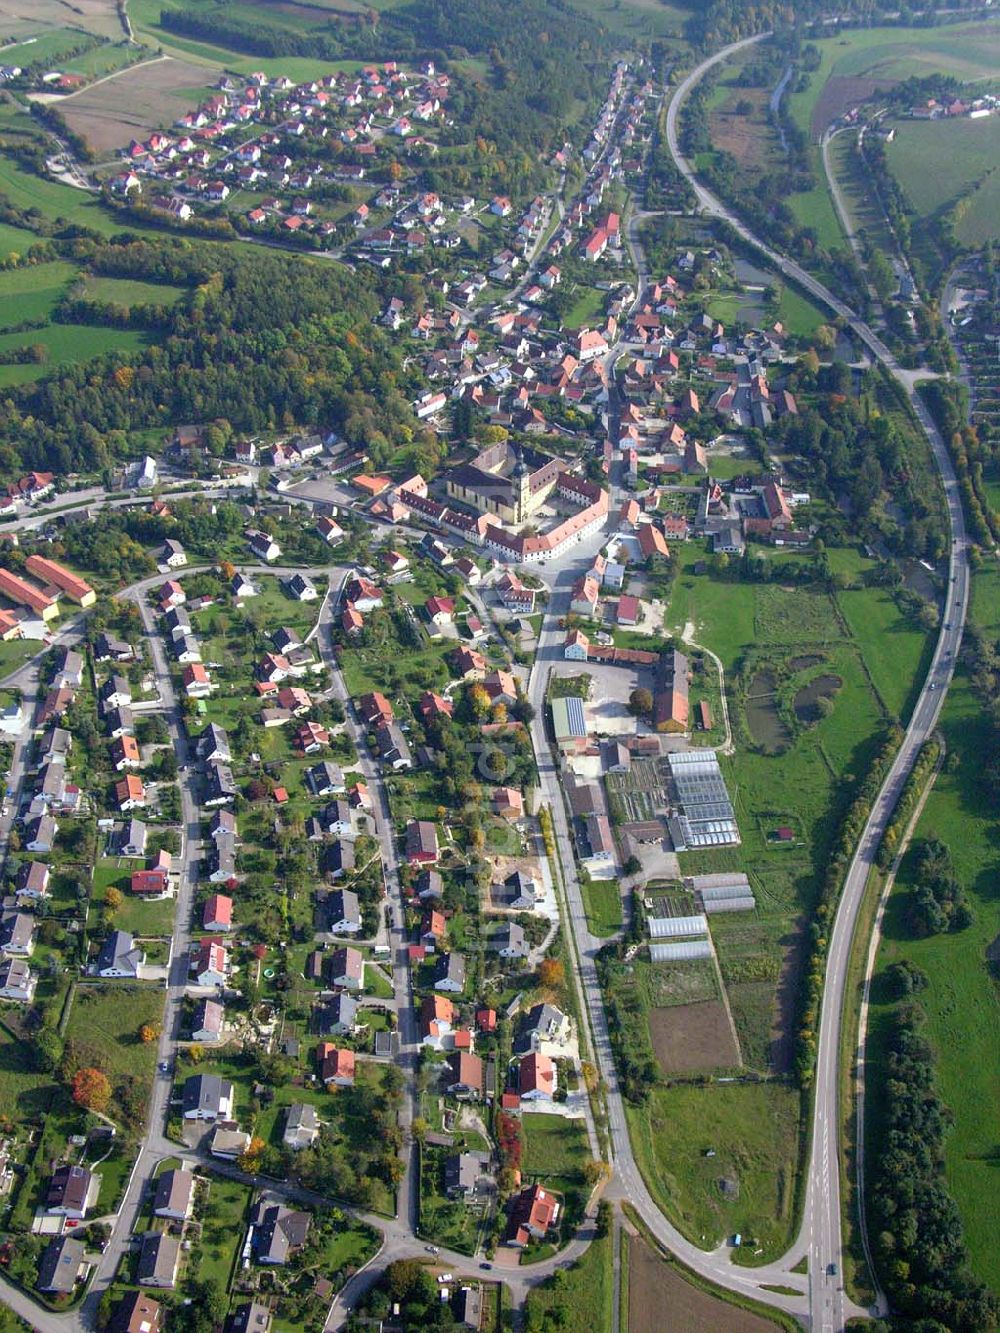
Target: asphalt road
[[820, 1235], [627, 1182]]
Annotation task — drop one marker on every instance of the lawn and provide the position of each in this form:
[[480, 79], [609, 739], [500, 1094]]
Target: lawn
[[896, 651], [961, 998], [145, 16], [587, 308], [114, 1171], [65, 343], [753, 1131], [24, 1091], [554, 1148], [449, 1222], [797, 313], [32, 293], [602, 900], [15, 240], [634, 18], [340, 1109], [104, 1022], [54, 200], [367, 668], [101, 60], [139, 915], [15, 652], [808, 787], [42, 47], [579, 1297], [226, 1212], [864, 212]]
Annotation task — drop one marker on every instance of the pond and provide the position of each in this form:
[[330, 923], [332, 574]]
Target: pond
[[919, 580], [764, 722], [807, 700], [749, 275], [805, 662]]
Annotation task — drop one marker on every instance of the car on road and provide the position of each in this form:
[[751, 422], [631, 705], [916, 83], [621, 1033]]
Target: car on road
[[486, 1266], [446, 1277], [164, 1066], [432, 1249], [933, 686], [832, 1269]]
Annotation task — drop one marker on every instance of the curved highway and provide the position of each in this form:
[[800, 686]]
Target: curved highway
[[820, 1234]]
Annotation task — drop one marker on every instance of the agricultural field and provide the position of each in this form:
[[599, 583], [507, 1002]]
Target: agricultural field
[[749, 1183], [32, 293], [129, 292], [693, 1038], [138, 100], [854, 65], [950, 164], [654, 1285], [963, 1017], [99, 17]]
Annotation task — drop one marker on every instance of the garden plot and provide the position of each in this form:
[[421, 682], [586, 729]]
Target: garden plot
[[638, 795]]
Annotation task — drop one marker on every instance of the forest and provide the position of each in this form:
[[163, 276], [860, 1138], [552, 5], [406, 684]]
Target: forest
[[855, 455], [264, 342], [714, 24]]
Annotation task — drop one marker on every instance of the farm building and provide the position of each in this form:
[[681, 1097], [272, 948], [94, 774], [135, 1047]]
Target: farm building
[[569, 725]]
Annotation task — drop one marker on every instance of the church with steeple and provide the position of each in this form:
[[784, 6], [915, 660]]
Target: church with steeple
[[510, 481]]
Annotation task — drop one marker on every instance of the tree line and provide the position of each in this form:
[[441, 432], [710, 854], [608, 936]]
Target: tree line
[[914, 1222]]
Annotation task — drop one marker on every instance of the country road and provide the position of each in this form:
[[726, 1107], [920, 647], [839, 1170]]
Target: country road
[[820, 1235]]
